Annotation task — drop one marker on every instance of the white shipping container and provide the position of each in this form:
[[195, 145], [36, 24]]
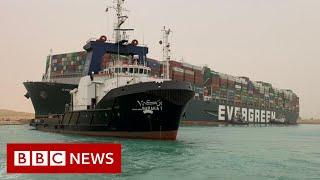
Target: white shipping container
[[197, 68], [176, 69], [187, 65]]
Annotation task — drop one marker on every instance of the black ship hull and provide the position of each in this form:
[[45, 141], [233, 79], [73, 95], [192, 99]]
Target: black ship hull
[[48, 98], [145, 111]]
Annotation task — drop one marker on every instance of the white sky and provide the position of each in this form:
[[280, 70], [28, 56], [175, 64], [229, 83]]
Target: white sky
[[276, 41]]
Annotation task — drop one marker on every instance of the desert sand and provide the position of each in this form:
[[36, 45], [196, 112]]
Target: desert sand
[[9, 117], [309, 121]]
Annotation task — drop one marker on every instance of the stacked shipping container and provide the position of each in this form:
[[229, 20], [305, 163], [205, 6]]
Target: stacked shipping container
[[185, 72], [238, 91], [67, 65], [241, 91]]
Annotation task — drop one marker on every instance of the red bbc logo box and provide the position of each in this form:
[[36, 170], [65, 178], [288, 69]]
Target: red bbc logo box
[[64, 158]]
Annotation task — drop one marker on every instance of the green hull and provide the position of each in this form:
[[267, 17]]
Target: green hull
[[208, 111]]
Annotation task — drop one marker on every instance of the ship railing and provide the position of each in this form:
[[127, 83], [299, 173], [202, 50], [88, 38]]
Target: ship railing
[[73, 75], [49, 116], [81, 107]]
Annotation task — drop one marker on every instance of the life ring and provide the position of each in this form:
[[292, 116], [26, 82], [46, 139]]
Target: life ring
[[135, 42], [103, 38]]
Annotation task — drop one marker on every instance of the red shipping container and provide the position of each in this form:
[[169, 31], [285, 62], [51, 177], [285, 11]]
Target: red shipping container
[[177, 76], [105, 61], [189, 78], [215, 85], [231, 84], [198, 81], [175, 64], [198, 73], [223, 82]]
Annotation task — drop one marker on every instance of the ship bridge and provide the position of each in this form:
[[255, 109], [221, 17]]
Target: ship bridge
[[97, 49]]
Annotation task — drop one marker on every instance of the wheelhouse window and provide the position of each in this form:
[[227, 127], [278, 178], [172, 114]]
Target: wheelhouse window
[[131, 70], [145, 71], [140, 71], [136, 70], [124, 70]]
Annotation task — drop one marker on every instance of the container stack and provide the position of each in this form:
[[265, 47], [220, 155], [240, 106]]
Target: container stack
[[155, 67], [244, 90], [250, 93], [219, 87], [177, 73], [106, 61], [295, 103], [215, 86], [185, 72], [231, 89], [241, 91], [189, 74], [238, 88], [68, 65], [198, 76]]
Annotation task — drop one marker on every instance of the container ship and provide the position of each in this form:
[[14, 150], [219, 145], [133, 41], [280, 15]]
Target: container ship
[[218, 98]]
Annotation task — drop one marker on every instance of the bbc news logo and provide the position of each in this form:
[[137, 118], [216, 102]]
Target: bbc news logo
[[40, 158], [64, 158]]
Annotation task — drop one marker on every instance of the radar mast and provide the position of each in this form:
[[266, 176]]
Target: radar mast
[[120, 34]]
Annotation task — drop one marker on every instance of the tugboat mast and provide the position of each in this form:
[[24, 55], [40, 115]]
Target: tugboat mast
[[120, 34]]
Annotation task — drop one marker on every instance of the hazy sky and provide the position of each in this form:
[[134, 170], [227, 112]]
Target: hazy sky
[[276, 41]]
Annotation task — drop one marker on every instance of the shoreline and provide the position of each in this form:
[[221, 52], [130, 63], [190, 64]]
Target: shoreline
[[10, 117], [309, 122], [14, 122]]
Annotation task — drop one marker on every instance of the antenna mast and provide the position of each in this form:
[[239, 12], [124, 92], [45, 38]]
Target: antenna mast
[[120, 34], [166, 50]]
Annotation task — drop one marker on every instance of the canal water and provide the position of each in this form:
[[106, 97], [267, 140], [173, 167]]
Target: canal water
[[287, 152]]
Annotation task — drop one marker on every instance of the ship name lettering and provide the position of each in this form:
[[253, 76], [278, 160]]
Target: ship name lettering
[[246, 114]]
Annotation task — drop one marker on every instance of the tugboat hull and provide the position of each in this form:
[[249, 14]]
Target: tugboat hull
[[145, 111]]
